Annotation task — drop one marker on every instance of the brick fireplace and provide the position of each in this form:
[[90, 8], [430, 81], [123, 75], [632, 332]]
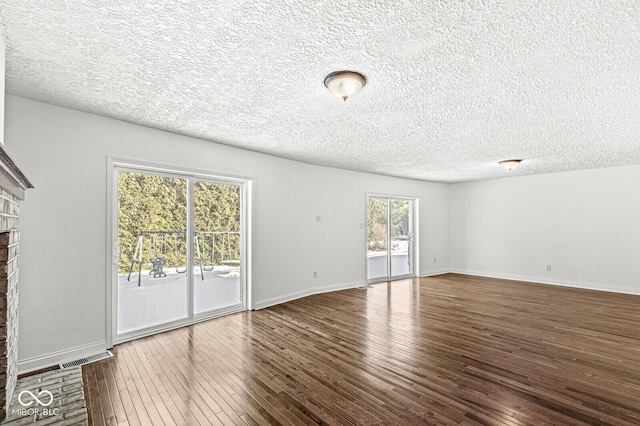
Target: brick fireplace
[[12, 187]]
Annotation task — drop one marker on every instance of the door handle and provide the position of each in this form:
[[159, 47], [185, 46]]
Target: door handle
[[115, 254]]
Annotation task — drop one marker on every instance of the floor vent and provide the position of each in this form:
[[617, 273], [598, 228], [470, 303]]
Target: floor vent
[[87, 360]]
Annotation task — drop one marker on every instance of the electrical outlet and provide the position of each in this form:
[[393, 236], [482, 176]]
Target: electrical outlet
[[548, 268], [318, 219], [315, 274]]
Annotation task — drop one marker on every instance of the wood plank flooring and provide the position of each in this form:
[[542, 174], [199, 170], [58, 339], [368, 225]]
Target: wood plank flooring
[[451, 349]]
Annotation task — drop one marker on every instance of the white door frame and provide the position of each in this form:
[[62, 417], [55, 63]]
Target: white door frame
[[414, 245], [114, 166]]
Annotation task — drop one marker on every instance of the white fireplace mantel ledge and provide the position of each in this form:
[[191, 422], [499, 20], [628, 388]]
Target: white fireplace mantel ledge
[[11, 177]]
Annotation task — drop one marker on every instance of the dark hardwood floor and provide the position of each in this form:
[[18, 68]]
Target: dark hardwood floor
[[451, 349]]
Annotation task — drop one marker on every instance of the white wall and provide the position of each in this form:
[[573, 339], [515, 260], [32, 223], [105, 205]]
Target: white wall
[[585, 224], [63, 257]]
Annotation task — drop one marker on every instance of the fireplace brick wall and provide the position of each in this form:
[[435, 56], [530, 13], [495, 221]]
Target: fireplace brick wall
[[9, 238]]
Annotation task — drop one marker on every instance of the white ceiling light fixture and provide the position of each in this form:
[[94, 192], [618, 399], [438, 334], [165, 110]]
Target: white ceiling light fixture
[[344, 84], [510, 164]]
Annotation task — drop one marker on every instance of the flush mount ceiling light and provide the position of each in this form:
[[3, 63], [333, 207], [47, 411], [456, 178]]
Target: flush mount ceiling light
[[344, 84], [510, 164]]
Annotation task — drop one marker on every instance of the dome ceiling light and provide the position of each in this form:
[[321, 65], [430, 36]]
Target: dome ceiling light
[[344, 84], [510, 164]]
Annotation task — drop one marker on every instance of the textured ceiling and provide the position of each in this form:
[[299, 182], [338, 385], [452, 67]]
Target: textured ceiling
[[452, 87]]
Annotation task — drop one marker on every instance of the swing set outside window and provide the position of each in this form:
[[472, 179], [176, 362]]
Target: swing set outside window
[[206, 243]]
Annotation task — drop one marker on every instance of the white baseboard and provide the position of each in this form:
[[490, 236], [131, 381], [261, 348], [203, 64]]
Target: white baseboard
[[540, 280], [261, 304], [436, 272], [44, 361]]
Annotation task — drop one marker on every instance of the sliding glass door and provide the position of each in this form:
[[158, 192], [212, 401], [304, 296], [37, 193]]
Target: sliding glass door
[[401, 237], [151, 288], [377, 239], [178, 252], [216, 261], [390, 238]]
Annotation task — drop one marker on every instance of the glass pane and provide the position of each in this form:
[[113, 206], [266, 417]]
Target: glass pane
[[217, 246], [152, 218], [377, 238], [401, 234]]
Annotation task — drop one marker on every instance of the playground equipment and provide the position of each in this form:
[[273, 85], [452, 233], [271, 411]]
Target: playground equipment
[[157, 265], [206, 267], [179, 270], [229, 261], [157, 243]]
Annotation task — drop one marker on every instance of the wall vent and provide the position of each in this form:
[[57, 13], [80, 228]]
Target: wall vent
[[87, 360]]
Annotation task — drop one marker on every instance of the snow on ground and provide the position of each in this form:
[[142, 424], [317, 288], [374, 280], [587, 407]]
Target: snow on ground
[[165, 299]]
